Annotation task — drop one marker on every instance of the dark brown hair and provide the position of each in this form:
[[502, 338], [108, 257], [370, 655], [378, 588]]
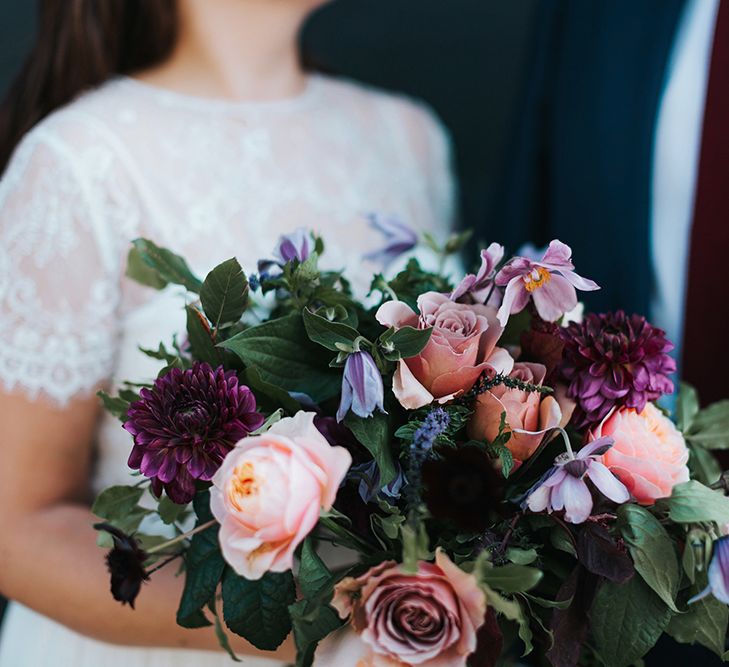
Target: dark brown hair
[[80, 44]]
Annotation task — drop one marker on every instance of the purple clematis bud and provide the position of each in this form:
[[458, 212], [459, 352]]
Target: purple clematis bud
[[369, 482], [297, 245], [564, 486], [550, 282], [362, 388], [399, 238], [479, 286], [718, 573]]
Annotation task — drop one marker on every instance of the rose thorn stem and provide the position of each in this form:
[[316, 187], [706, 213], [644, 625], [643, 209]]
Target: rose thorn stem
[[180, 538]]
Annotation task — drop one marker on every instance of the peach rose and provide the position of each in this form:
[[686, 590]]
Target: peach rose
[[649, 455], [429, 618], [461, 347], [528, 414], [269, 492]]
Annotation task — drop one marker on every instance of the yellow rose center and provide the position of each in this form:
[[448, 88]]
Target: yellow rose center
[[243, 484], [539, 277]]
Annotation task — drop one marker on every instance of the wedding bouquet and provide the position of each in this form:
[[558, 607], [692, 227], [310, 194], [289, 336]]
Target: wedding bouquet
[[438, 475]]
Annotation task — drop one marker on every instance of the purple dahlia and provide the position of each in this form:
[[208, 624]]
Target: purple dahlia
[[615, 360], [185, 425]]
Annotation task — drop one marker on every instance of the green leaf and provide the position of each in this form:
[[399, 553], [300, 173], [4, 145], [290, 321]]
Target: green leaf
[[220, 634], [692, 502], [224, 294], [313, 573], [204, 566], [704, 622], [627, 620], [330, 335], [710, 427], [703, 464], [652, 551], [117, 502], [169, 267], [510, 578], [310, 628], [407, 341], [521, 556], [687, 407], [281, 351], [372, 433], [116, 405], [139, 271], [258, 610], [200, 337], [170, 511], [511, 610], [279, 398]]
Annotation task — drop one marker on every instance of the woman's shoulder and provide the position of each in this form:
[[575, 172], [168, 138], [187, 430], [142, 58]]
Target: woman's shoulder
[[406, 113]]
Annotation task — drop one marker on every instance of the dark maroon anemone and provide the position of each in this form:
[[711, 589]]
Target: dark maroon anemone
[[185, 425], [614, 360], [125, 563]]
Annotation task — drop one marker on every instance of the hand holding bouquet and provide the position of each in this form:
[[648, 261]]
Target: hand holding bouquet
[[447, 474]]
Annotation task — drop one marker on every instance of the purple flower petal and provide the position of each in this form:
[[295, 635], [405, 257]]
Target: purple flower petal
[[609, 485]]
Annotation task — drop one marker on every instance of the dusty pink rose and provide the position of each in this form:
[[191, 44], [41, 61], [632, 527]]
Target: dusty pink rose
[[528, 414], [649, 455], [269, 492], [461, 347], [429, 618]]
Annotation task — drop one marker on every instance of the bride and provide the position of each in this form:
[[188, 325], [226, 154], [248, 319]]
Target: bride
[[193, 124]]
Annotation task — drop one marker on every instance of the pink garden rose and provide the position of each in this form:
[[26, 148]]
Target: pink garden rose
[[649, 455], [462, 346], [269, 492], [528, 414], [429, 618]]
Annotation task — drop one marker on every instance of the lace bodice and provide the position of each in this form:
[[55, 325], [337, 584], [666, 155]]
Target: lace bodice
[[206, 178]]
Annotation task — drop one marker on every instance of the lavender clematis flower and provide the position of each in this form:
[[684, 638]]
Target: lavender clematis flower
[[718, 573], [369, 482], [550, 282], [564, 487], [399, 238], [362, 388], [297, 245], [478, 286]]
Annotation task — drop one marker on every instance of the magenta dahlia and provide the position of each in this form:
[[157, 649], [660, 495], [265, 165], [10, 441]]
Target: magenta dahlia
[[185, 425], [613, 360]]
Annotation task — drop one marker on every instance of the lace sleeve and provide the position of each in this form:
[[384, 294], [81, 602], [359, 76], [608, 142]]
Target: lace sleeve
[[58, 288]]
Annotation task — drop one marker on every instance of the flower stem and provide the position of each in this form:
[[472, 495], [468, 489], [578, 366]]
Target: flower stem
[[567, 443], [180, 538]]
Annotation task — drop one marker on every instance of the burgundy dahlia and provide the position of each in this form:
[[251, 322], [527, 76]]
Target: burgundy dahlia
[[615, 360], [185, 425]]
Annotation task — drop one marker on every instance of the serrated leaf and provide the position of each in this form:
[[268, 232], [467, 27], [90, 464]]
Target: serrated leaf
[[372, 433], [627, 621], [117, 502], [692, 502], [310, 628], [258, 610], [169, 267], [116, 405], [278, 397], [204, 566], [224, 294], [704, 622], [313, 573], [284, 357], [328, 334], [200, 338], [652, 551], [220, 633], [710, 427]]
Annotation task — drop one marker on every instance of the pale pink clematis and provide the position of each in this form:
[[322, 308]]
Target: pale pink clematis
[[429, 618], [461, 348], [550, 282], [479, 286], [565, 488], [269, 492]]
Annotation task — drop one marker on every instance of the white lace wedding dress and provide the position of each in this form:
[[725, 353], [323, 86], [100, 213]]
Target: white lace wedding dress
[[209, 179]]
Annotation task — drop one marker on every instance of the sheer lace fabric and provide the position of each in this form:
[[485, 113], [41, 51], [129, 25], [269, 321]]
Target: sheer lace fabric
[[208, 179]]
